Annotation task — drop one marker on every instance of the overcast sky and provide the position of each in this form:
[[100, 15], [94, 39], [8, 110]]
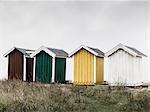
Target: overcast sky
[[67, 25]]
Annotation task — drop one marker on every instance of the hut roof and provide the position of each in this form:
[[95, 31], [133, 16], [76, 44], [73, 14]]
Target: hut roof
[[26, 52], [52, 52], [59, 52], [137, 51], [132, 51], [94, 51]]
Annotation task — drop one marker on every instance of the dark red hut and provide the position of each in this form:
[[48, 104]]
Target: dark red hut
[[20, 64]]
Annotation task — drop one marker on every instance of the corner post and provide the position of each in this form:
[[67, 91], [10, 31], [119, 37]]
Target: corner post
[[34, 66], [24, 68], [94, 69], [53, 70]]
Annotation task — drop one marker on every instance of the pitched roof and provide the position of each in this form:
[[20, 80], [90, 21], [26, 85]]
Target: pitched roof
[[94, 51], [132, 51], [137, 51], [52, 52], [26, 52], [59, 52], [100, 53]]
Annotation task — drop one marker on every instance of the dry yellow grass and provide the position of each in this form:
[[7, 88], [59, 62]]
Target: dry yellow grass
[[29, 97]]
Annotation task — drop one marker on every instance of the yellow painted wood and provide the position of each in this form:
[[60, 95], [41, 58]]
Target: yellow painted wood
[[83, 67], [99, 70]]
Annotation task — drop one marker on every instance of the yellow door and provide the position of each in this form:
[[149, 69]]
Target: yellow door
[[99, 70]]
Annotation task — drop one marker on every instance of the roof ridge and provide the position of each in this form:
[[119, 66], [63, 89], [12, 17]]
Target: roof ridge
[[24, 49]]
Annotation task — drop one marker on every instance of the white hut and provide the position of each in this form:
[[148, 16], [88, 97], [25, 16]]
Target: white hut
[[125, 65]]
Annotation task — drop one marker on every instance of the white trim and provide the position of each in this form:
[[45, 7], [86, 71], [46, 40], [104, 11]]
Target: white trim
[[30, 52], [42, 48], [121, 46], [85, 47], [24, 68], [73, 68], [6, 54], [94, 69], [53, 70], [7, 65], [34, 65], [60, 57]]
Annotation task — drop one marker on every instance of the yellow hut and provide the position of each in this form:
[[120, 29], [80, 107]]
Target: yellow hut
[[88, 65]]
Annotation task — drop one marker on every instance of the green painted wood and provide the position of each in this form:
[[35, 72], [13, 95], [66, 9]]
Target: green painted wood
[[60, 70], [43, 67]]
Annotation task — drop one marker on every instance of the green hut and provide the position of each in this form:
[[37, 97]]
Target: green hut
[[49, 65]]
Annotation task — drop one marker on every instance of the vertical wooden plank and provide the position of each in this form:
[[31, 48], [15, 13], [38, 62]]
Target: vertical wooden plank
[[83, 67], [15, 65]]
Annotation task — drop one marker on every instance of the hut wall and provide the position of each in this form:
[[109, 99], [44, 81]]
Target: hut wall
[[124, 68], [15, 65], [83, 67]]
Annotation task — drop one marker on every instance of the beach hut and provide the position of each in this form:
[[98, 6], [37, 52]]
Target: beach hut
[[88, 65], [49, 65], [20, 64], [125, 65]]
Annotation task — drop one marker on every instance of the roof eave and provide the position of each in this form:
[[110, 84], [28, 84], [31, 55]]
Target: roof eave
[[101, 56], [86, 48], [7, 53], [61, 56], [45, 49], [120, 46]]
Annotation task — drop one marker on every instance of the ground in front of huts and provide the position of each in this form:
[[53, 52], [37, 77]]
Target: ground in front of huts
[[18, 96]]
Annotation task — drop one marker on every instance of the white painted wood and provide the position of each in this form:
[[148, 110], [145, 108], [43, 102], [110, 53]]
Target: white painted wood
[[86, 48], [105, 68], [24, 68], [53, 70], [121, 46], [72, 69], [69, 69], [123, 68], [94, 69], [34, 66], [6, 54], [7, 66], [42, 48]]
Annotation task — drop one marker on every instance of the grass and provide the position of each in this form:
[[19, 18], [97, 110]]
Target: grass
[[18, 96]]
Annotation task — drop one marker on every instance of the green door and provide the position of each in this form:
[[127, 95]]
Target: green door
[[43, 67], [60, 70]]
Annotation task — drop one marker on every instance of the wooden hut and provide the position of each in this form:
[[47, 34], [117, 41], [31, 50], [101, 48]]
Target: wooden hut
[[20, 64], [88, 65], [125, 65], [49, 65]]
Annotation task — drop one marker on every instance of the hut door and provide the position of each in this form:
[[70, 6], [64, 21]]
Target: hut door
[[43, 67], [60, 70], [29, 69]]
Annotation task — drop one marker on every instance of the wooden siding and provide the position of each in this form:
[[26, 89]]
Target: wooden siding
[[29, 69], [43, 70], [125, 69], [83, 67], [99, 70], [60, 70], [15, 65]]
